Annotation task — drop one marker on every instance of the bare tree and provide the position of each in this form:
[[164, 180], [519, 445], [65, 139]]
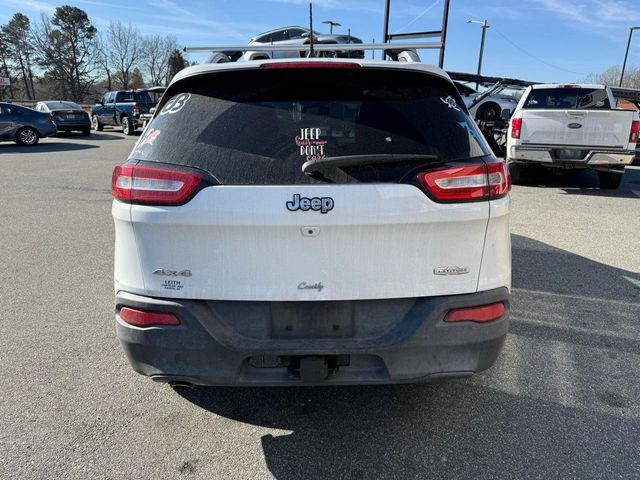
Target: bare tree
[[611, 77], [125, 51], [157, 50], [102, 59]]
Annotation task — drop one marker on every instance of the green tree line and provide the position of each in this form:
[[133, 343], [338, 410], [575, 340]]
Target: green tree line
[[64, 56]]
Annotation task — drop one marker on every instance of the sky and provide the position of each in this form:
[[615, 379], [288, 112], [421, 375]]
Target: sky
[[535, 40]]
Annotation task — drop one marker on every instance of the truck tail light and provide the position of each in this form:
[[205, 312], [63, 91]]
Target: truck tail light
[[635, 130], [482, 314], [136, 111], [153, 185], [143, 318], [467, 183], [516, 127]]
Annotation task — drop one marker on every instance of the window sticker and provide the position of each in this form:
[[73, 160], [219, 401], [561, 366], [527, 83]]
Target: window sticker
[[150, 137], [141, 150], [310, 143], [175, 104], [450, 102]]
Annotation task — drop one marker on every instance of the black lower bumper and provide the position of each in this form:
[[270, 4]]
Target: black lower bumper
[[273, 343]]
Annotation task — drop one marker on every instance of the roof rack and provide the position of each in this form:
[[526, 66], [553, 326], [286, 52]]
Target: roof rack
[[318, 47], [484, 80]]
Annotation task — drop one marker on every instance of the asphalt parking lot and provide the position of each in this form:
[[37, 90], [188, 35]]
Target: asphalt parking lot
[[563, 400]]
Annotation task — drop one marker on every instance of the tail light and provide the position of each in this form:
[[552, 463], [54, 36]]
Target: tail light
[[136, 111], [482, 314], [635, 130], [310, 65], [516, 127], [467, 183], [153, 185], [142, 318]]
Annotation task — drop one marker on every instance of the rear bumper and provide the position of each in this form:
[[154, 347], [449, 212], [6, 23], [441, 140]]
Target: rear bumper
[[589, 158], [68, 126], [242, 343]]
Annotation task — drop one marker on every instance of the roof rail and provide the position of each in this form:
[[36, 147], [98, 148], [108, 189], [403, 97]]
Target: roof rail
[[318, 47]]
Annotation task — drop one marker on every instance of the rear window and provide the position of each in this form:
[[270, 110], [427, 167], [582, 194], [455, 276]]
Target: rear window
[[62, 105], [138, 97], [568, 98], [261, 126]]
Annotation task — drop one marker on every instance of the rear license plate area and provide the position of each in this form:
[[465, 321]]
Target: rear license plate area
[[311, 319], [569, 154]]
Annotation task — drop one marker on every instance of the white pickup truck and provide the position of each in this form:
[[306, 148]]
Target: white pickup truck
[[572, 126]]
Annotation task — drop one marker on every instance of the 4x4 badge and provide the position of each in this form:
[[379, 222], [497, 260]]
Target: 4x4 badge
[[322, 204], [172, 273]]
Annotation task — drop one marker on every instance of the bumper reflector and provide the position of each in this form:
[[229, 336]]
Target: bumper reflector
[[482, 314], [140, 318]]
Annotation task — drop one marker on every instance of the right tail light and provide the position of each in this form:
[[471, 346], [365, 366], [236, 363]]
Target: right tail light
[[467, 183], [635, 131]]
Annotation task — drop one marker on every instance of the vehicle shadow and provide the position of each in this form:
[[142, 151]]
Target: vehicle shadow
[[108, 136], [581, 182], [569, 369], [50, 146], [115, 130]]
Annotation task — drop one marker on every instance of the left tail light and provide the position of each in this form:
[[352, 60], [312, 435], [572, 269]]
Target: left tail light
[[148, 185], [143, 318], [516, 128], [467, 183], [136, 111]]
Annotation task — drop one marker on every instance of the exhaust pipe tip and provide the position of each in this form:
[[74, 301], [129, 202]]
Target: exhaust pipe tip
[[179, 385]]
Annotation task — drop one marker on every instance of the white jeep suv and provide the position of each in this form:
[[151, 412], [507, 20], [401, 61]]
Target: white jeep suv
[[311, 222]]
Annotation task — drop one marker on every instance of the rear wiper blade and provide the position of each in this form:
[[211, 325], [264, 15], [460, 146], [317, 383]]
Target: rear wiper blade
[[314, 166]]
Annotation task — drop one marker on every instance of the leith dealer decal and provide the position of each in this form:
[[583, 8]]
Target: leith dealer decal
[[321, 204]]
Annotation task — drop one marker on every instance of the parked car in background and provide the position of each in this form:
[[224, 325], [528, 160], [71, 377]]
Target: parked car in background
[[23, 125], [572, 126], [491, 107], [295, 35], [122, 109], [67, 116], [320, 229]]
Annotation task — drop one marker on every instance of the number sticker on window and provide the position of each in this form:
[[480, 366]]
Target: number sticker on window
[[175, 104]]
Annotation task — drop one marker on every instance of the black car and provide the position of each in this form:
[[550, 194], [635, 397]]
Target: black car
[[67, 116], [22, 125]]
